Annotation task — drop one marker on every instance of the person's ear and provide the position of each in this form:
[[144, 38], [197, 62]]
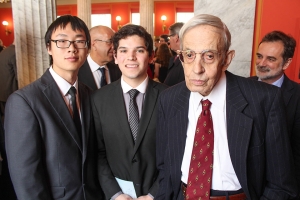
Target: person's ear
[[287, 64], [227, 60]]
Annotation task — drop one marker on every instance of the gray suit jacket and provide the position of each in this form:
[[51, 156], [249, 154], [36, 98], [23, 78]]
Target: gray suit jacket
[[45, 158], [258, 142], [118, 156], [85, 74]]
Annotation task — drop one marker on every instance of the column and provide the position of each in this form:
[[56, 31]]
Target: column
[[84, 11], [239, 17], [146, 15], [31, 20]]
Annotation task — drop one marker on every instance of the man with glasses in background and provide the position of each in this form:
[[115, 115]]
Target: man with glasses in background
[[49, 135], [99, 68], [220, 136], [175, 70]]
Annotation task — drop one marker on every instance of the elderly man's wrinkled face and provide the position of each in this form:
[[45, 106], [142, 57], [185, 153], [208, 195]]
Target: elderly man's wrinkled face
[[202, 62]]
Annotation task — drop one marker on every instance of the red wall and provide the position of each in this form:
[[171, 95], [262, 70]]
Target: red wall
[[115, 9], [6, 15], [279, 15]]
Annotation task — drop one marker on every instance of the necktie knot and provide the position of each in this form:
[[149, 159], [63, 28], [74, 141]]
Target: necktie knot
[[72, 91], [205, 104], [133, 93]]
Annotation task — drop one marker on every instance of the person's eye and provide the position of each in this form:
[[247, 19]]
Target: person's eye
[[190, 54], [209, 55], [62, 41], [122, 51], [80, 41], [140, 50]]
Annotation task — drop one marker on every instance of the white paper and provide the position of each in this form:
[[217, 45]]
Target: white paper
[[127, 187]]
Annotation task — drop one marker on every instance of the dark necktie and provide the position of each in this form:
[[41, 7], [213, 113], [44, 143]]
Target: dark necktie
[[133, 113], [103, 77], [76, 117], [200, 172]]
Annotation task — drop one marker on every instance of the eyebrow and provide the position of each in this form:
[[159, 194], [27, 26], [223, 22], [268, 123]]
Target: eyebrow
[[64, 35], [138, 47]]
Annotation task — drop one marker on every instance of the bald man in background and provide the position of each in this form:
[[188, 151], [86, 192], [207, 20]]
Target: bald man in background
[[99, 68]]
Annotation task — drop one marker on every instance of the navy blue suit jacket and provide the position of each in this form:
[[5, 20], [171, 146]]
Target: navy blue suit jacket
[[258, 142]]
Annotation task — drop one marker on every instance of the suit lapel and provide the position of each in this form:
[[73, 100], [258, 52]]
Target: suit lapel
[[148, 109], [54, 96], [287, 90], [85, 75], [85, 117], [120, 111], [239, 128]]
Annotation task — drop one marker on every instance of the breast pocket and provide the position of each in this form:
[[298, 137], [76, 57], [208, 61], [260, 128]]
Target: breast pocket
[[58, 192]]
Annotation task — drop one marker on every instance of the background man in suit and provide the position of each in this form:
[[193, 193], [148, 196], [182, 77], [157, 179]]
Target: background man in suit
[[125, 126], [9, 84], [175, 71], [100, 57], [49, 155], [274, 55], [251, 155], [8, 75]]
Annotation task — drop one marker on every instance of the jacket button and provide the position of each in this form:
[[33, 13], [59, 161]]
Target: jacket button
[[134, 161]]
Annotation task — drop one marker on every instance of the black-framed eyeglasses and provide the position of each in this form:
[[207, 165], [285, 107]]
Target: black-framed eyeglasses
[[63, 44], [207, 56], [169, 36], [109, 42]]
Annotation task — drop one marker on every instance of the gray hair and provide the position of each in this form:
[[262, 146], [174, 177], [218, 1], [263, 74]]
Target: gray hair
[[205, 19], [175, 28]]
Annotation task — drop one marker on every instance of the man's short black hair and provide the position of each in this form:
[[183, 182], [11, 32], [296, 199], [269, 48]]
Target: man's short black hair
[[62, 22]]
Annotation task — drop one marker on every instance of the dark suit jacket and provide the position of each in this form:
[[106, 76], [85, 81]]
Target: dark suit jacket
[[8, 72], [118, 156], [258, 142], [45, 158], [291, 95], [175, 72], [85, 74]]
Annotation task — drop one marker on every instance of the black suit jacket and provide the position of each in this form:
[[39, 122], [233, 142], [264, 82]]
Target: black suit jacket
[[45, 158], [291, 96], [118, 156], [175, 72], [8, 72], [85, 74], [258, 142]]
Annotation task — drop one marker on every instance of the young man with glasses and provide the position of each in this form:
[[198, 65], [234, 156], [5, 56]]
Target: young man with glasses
[[99, 68], [175, 71], [49, 133], [220, 136]]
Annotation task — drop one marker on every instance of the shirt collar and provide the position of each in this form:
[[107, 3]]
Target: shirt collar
[[63, 85], [93, 65], [141, 88], [217, 96]]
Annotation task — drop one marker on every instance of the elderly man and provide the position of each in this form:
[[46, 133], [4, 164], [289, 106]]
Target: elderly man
[[99, 68], [274, 55], [220, 136]]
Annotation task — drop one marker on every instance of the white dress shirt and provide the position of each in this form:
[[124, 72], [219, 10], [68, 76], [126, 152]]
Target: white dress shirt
[[139, 98], [64, 88], [96, 73], [223, 176]]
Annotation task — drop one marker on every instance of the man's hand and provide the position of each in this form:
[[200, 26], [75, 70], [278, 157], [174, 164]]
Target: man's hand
[[146, 197], [124, 197]]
